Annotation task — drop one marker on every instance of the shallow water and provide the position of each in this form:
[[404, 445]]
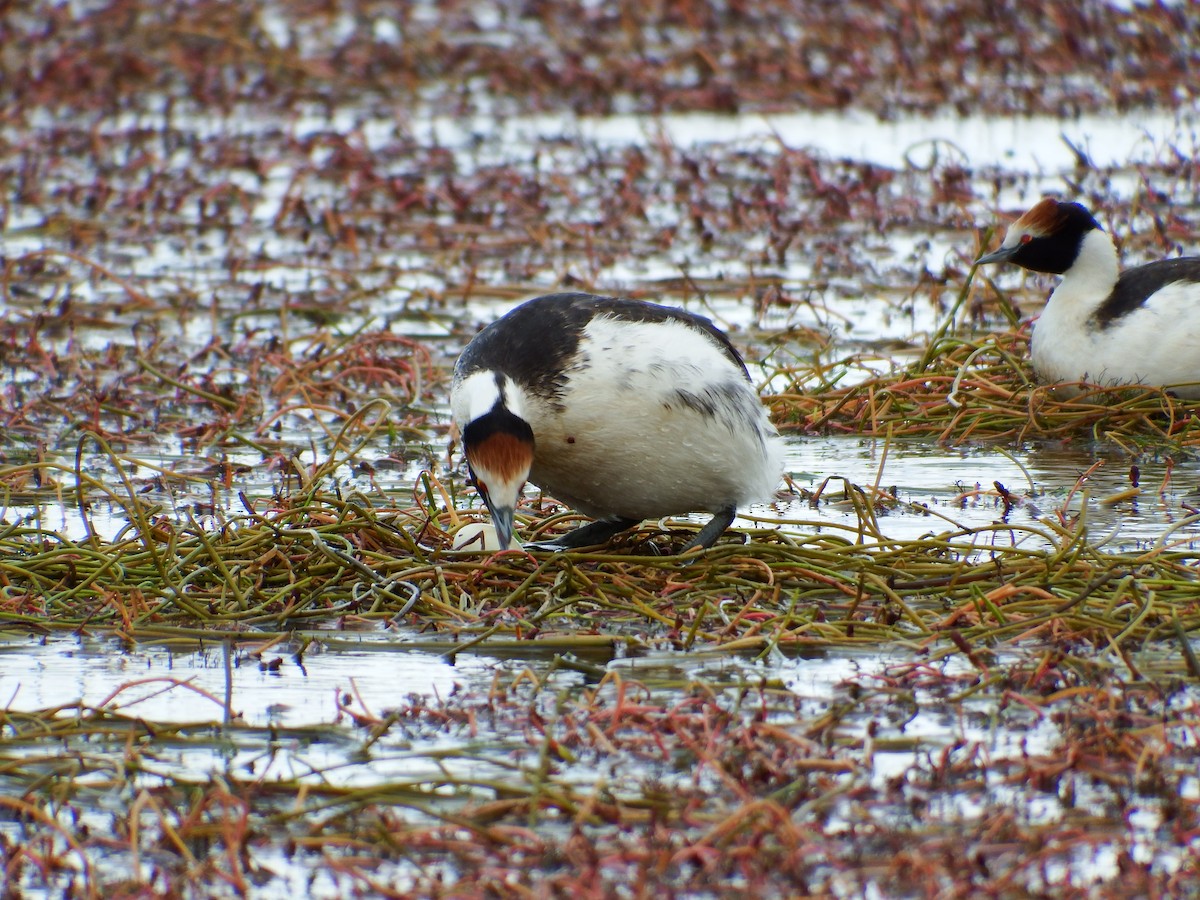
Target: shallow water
[[315, 701], [919, 489], [234, 699]]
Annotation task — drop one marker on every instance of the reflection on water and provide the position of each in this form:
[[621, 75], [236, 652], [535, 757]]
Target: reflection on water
[[939, 489], [942, 488], [328, 695], [192, 685], [314, 721]]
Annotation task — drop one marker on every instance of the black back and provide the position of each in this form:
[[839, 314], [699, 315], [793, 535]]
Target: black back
[[1138, 283], [534, 343]]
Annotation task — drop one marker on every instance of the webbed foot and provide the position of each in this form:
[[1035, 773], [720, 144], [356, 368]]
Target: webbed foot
[[590, 535]]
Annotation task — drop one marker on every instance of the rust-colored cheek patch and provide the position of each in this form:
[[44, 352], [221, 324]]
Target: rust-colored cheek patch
[[503, 456], [1041, 219]]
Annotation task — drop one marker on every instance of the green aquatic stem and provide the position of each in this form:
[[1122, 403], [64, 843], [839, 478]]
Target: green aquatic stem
[[933, 347]]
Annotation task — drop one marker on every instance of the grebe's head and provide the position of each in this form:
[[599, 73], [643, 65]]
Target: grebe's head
[[1047, 238], [497, 442]]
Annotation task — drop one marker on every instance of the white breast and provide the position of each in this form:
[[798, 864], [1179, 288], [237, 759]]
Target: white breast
[[1158, 343]]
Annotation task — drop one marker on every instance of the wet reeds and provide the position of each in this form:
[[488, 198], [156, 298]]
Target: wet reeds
[[241, 245], [981, 389]]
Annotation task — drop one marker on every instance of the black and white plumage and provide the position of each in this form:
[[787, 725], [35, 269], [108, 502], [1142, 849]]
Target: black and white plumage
[[1103, 325], [623, 409]]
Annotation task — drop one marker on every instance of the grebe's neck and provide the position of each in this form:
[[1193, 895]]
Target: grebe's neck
[[1090, 279]]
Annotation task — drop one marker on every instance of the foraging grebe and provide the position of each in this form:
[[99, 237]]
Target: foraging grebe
[[624, 410], [1102, 325]]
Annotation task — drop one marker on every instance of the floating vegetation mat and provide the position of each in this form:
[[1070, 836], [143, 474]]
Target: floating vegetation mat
[[315, 559], [983, 389], [570, 768]]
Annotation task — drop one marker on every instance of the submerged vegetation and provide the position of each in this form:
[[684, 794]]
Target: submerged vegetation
[[241, 247]]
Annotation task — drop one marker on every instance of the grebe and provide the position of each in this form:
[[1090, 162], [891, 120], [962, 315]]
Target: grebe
[[622, 409], [1101, 325]]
